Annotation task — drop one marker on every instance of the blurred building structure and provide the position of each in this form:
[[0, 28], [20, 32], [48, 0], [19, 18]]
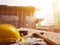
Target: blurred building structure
[[15, 15]]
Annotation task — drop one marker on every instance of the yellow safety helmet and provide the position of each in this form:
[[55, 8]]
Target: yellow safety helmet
[[9, 33]]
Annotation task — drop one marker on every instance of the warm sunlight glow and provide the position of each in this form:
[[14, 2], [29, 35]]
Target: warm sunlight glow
[[45, 12], [59, 5], [46, 9]]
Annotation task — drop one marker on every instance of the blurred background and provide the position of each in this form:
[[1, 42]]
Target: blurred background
[[36, 14]]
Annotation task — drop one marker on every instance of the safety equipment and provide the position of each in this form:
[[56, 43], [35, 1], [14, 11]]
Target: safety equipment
[[9, 33]]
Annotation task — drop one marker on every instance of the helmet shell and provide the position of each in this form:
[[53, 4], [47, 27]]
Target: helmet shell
[[8, 33]]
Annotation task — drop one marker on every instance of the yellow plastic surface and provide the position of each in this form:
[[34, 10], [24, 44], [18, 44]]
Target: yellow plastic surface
[[8, 33]]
